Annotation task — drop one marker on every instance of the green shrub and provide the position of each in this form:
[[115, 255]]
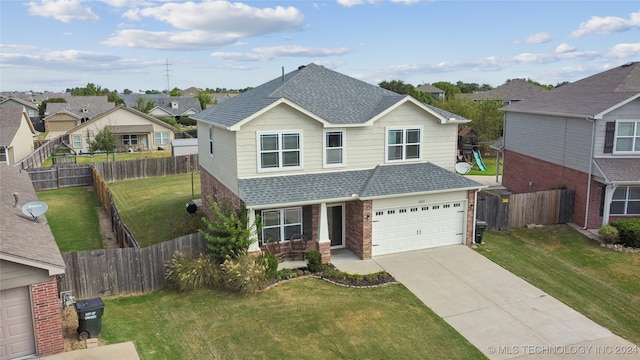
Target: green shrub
[[189, 274], [609, 234], [244, 273], [629, 231], [272, 264], [314, 261]]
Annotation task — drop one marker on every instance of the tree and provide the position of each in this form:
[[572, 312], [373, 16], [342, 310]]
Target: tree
[[103, 141], [205, 99], [43, 105], [227, 231], [175, 92], [450, 90], [127, 91], [144, 105]]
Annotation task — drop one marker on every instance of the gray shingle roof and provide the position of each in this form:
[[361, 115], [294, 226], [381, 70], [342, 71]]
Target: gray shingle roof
[[513, 90], [587, 97], [384, 180], [620, 170], [82, 106], [130, 129], [334, 97], [21, 239], [10, 118]]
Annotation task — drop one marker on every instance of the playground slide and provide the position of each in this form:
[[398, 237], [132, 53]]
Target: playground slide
[[479, 162]]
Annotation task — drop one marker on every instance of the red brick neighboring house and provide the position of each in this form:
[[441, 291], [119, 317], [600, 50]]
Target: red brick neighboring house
[[345, 163], [30, 262], [583, 136]]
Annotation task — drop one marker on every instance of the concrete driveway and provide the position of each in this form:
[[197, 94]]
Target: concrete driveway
[[502, 315]]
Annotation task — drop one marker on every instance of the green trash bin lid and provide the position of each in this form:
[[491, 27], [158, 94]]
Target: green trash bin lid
[[89, 304]]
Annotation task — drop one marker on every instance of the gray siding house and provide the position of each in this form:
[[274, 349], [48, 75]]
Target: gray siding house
[[344, 163], [584, 136]]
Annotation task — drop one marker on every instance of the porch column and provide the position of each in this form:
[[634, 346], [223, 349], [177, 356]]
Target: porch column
[[608, 196], [323, 225], [251, 216]]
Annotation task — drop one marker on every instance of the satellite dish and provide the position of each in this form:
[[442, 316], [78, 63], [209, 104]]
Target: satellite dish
[[463, 167], [34, 209]]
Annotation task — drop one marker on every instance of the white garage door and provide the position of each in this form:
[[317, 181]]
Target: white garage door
[[16, 325], [417, 227]]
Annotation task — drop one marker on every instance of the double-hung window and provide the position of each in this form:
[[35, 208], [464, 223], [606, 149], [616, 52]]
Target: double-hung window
[[626, 201], [404, 143], [161, 138], [76, 141], [280, 150], [333, 148], [129, 140], [3, 155], [281, 224], [627, 136]]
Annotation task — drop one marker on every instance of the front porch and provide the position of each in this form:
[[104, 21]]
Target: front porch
[[343, 259]]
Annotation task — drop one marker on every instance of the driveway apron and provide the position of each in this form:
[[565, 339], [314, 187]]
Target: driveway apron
[[504, 316]]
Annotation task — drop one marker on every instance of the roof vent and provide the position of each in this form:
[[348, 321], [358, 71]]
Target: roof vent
[[301, 67], [627, 64]]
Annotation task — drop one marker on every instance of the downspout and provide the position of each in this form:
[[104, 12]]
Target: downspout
[[475, 213], [593, 136]]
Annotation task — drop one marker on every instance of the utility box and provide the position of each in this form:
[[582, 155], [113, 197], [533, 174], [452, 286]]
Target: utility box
[[481, 226], [89, 317]]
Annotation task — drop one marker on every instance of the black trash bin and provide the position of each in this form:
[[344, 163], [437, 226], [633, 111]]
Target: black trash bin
[[89, 317], [481, 226]]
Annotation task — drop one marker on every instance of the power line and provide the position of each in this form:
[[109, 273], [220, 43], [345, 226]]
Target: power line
[[167, 72]]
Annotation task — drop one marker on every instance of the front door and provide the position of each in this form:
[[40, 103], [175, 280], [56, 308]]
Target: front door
[[335, 217]]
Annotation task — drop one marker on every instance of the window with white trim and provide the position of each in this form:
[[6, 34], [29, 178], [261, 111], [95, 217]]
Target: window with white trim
[[76, 141], [627, 137], [3, 155], [211, 141], [403, 144], [334, 147], [161, 138], [129, 140], [626, 201], [281, 224], [279, 151]]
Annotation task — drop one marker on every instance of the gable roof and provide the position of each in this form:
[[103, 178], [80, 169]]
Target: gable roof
[[430, 89], [22, 240], [512, 90], [122, 107], [20, 102], [323, 94], [82, 106], [10, 120], [590, 97], [620, 171], [163, 101], [380, 182]]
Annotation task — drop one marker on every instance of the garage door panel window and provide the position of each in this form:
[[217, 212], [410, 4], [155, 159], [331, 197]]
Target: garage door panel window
[[281, 224], [404, 144]]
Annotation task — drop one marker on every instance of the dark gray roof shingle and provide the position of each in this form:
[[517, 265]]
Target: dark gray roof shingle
[[384, 180], [10, 118], [620, 170]]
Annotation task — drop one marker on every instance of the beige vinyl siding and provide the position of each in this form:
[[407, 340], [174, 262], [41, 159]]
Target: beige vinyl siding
[[23, 141], [223, 164], [15, 275]]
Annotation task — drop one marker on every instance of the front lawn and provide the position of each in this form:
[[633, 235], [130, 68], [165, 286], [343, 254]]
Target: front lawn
[[600, 283], [300, 319], [155, 208], [72, 217]]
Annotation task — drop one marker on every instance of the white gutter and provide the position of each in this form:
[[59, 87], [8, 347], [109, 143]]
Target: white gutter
[[593, 137]]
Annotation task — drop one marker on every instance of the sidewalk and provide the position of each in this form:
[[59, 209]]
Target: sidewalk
[[121, 351]]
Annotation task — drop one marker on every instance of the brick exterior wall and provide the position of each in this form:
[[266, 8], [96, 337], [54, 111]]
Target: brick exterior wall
[[359, 228], [47, 309], [522, 174], [471, 223], [210, 186]]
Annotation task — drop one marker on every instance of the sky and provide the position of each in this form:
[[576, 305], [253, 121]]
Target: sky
[[54, 45]]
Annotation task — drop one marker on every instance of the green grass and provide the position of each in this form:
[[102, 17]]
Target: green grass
[[600, 283], [489, 163], [302, 319], [151, 208], [90, 159], [72, 218]]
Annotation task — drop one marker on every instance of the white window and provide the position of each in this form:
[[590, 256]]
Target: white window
[[626, 201], [161, 138], [76, 141], [627, 137], [279, 151], [129, 140], [403, 144], [211, 141], [3, 155], [334, 148], [281, 224]]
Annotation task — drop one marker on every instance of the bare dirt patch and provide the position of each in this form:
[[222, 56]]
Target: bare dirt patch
[[70, 331], [109, 239]]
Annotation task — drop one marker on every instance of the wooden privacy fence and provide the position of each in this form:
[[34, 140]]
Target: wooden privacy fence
[[149, 167], [98, 273], [60, 176], [503, 210]]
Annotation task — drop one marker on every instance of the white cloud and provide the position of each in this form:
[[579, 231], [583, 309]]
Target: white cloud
[[268, 53], [625, 51], [564, 48], [62, 10], [538, 38], [530, 58], [351, 3], [607, 25], [205, 25]]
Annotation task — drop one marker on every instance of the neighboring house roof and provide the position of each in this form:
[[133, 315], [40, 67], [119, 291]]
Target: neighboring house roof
[[23, 240], [20, 102], [10, 121], [62, 112], [382, 181], [590, 97], [323, 94], [192, 91], [81, 106], [513, 90], [619, 170], [122, 107], [129, 129], [163, 103], [428, 88]]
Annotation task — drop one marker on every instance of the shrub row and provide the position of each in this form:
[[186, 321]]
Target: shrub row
[[622, 231]]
